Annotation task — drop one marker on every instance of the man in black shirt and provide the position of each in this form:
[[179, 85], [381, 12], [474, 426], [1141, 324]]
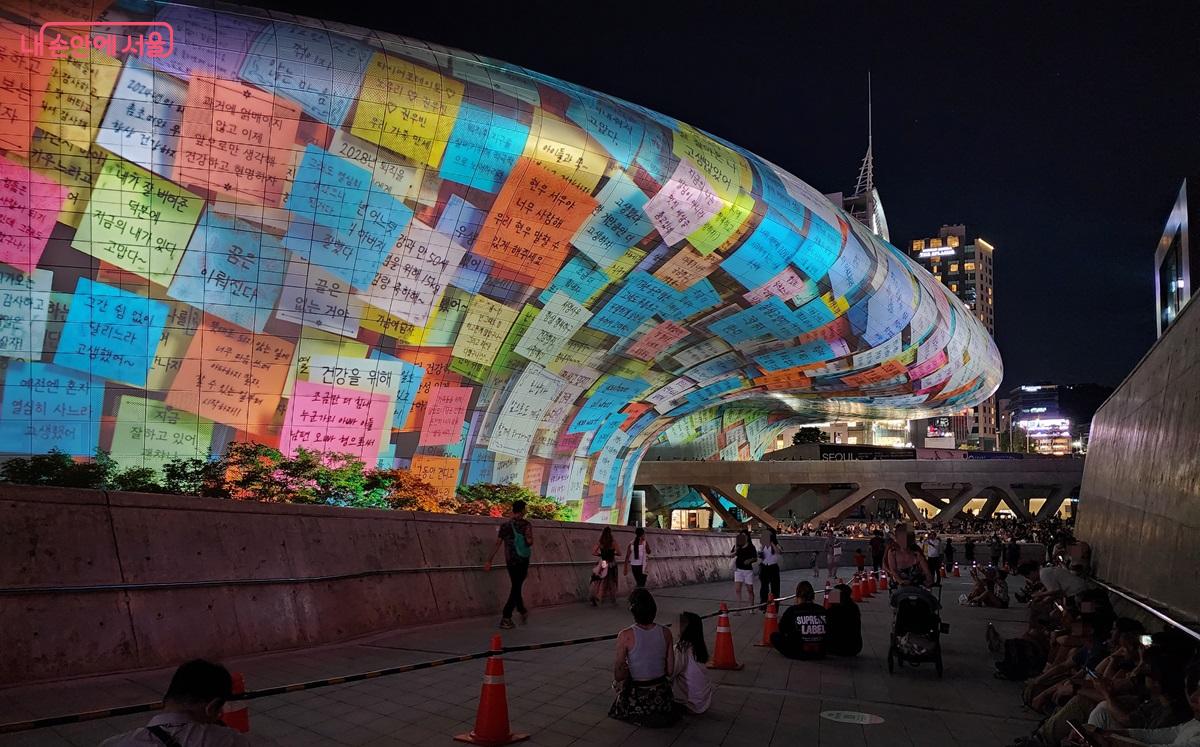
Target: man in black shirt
[[517, 538], [802, 629]]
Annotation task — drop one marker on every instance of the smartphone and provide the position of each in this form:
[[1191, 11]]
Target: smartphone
[[1091, 674], [1146, 640], [1083, 735]]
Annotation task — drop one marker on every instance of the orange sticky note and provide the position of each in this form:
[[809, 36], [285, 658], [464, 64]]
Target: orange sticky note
[[232, 376], [439, 471], [237, 140], [23, 79], [532, 221]]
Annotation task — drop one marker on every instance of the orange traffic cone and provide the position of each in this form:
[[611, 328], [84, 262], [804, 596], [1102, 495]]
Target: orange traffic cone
[[827, 589], [867, 589], [873, 580], [770, 621], [883, 581], [942, 571], [723, 657], [856, 590], [238, 719], [956, 573], [491, 720]]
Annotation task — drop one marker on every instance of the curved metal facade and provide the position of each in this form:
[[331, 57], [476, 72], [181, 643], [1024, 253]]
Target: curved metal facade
[[317, 235]]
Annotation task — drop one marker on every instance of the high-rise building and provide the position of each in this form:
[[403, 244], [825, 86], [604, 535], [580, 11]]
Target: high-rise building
[[1051, 418], [964, 265], [1174, 260]]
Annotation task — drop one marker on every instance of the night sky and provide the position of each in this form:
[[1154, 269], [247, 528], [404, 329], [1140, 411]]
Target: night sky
[[1058, 132]]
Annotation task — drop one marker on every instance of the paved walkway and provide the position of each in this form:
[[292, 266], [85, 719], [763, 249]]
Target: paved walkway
[[562, 695]]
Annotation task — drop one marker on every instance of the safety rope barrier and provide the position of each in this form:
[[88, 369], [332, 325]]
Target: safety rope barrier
[[75, 718]]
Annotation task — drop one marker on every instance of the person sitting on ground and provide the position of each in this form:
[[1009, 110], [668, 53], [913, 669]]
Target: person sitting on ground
[[843, 625], [991, 588], [1029, 571], [643, 667], [191, 715], [801, 633], [1164, 702], [1186, 734], [689, 684]]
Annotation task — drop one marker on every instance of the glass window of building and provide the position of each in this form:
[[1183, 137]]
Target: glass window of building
[[935, 243], [1170, 282], [968, 266], [953, 267], [954, 287], [952, 241], [918, 244]]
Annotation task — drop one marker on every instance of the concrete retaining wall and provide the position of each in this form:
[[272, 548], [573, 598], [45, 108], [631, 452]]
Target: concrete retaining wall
[[1139, 506], [391, 569]]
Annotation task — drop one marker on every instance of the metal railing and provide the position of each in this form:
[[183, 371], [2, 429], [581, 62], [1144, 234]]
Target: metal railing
[[1190, 627]]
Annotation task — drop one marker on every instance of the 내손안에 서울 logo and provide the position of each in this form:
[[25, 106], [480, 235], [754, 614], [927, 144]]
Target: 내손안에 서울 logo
[[153, 40]]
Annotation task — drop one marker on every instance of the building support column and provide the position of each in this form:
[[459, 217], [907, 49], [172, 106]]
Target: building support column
[[729, 490], [715, 504], [957, 504], [1054, 501], [791, 496]]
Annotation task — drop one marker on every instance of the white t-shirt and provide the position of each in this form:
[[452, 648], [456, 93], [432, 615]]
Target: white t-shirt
[[1058, 578], [1184, 735], [640, 558], [933, 548], [689, 682], [187, 732], [769, 556]]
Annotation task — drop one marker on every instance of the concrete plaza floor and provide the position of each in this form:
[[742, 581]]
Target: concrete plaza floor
[[561, 696]]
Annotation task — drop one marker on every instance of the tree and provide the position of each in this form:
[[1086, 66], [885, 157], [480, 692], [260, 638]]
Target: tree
[[1018, 440], [137, 479], [252, 473], [809, 435], [196, 477], [59, 469], [492, 499], [404, 491]]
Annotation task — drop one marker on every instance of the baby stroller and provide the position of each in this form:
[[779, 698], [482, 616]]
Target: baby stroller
[[917, 628]]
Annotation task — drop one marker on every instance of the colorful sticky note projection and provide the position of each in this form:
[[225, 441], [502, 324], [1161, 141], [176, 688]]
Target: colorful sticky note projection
[[232, 376], [332, 419], [685, 203], [317, 299], [183, 320], [342, 223], [232, 270], [439, 471], [616, 128], [29, 205], [483, 147], [563, 149], [618, 224], [73, 168], [444, 415], [111, 333], [46, 407], [532, 221], [137, 221], [24, 311], [407, 108], [149, 433], [390, 173], [316, 343], [320, 70], [237, 141], [558, 321], [461, 220], [144, 119], [656, 340]]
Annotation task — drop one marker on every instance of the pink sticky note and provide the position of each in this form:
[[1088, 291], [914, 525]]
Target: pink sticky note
[[327, 418], [444, 415], [657, 340], [29, 204]]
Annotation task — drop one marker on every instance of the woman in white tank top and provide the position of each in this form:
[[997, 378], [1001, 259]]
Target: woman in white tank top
[[643, 667]]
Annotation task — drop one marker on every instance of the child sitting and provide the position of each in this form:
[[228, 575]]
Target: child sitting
[[690, 684]]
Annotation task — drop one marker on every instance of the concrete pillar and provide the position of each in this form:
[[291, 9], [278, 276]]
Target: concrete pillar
[[1058, 494], [957, 504], [845, 505], [729, 490], [715, 504], [795, 492], [989, 506]]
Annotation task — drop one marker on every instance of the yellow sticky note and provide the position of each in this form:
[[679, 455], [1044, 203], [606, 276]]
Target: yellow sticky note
[[76, 95], [625, 264], [483, 330], [726, 170], [722, 226], [138, 221], [378, 320], [566, 150], [837, 305], [149, 433], [407, 108]]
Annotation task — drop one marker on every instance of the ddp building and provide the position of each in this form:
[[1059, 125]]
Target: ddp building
[[242, 225]]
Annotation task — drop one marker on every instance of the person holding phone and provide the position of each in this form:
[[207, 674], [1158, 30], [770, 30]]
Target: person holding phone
[[1186, 734]]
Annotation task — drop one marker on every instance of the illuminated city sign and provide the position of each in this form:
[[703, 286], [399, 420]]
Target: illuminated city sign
[[940, 252], [1046, 426]]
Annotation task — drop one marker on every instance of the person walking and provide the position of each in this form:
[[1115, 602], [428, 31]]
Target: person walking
[[768, 567], [933, 556], [833, 553], [948, 555], [744, 558], [878, 545], [635, 557], [605, 584], [516, 535]]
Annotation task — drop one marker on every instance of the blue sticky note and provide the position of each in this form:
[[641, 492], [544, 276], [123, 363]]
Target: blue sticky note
[[639, 299], [815, 313], [472, 273], [322, 72], [480, 467], [579, 278], [461, 221], [618, 224], [341, 221], [231, 270], [776, 195], [616, 128], [700, 296], [820, 248], [47, 407], [655, 156], [407, 388], [854, 266], [613, 393], [764, 254], [771, 317], [111, 333], [483, 147], [606, 431], [813, 352]]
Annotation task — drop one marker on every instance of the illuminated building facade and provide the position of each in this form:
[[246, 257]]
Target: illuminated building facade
[[1174, 260], [315, 235], [965, 267]]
